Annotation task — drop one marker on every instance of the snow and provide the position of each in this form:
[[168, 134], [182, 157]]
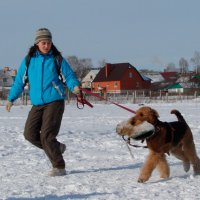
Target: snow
[[98, 161]]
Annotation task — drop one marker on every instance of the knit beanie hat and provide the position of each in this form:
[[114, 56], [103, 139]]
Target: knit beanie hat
[[42, 34]]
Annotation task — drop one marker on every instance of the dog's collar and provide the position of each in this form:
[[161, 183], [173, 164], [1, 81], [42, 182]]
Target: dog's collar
[[128, 141]]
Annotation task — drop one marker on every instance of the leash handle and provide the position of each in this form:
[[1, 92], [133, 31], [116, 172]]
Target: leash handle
[[81, 101]]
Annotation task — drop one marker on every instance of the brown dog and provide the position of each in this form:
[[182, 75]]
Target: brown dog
[[172, 138]]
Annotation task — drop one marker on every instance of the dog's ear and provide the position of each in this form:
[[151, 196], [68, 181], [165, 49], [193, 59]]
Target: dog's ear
[[152, 112], [155, 113], [153, 116]]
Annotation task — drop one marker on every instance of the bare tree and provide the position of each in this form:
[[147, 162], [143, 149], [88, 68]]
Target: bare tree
[[102, 63], [85, 65], [183, 64], [74, 62], [195, 60], [80, 66]]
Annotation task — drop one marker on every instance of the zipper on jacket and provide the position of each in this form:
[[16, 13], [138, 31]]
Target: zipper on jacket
[[57, 88], [42, 79]]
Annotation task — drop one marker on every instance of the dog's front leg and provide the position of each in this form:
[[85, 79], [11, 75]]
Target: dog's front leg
[[163, 167], [148, 167]]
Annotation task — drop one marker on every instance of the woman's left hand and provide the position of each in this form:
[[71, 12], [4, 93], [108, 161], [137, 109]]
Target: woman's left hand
[[8, 105]]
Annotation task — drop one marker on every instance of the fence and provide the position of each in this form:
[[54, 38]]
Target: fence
[[135, 97], [140, 97]]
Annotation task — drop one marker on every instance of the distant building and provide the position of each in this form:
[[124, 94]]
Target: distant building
[[175, 88], [169, 76], [120, 78], [87, 80], [186, 84], [7, 78], [154, 76]]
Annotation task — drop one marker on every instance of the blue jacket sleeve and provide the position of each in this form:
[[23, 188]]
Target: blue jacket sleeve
[[69, 76], [18, 85]]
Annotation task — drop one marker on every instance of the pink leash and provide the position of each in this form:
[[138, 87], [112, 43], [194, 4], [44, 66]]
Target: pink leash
[[83, 101]]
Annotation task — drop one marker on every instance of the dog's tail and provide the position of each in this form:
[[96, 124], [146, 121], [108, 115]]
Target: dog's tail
[[178, 115]]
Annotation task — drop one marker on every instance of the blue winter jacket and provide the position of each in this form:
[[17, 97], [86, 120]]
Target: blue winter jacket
[[44, 83]]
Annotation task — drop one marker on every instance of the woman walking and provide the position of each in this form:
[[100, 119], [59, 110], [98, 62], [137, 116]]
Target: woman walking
[[45, 70]]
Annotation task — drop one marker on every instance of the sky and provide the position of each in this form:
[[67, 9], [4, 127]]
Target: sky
[[146, 33]]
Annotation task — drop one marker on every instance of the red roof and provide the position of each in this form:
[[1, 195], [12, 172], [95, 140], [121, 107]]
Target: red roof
[[169, 76], [114, 72]]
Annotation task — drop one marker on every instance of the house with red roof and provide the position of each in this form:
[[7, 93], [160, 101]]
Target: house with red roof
[[119, 78], [169, 76]]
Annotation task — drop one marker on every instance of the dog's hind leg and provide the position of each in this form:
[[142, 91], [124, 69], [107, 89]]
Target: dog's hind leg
[[148, 167], [194, 159], [180, 154], [163, 167], [190, 152]]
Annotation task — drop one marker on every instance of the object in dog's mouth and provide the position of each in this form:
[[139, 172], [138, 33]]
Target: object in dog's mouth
[[143, 131], [138, 132]]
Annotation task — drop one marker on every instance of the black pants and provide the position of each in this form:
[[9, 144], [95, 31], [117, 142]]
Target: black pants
[[42, 127]]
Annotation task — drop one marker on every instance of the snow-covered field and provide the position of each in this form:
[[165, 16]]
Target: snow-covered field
[[97, 159]]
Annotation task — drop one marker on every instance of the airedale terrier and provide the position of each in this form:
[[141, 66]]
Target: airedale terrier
[[165, 137]]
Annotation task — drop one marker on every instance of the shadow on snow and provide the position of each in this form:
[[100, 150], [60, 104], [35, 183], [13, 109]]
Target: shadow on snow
[[106, 169], [63, 197]]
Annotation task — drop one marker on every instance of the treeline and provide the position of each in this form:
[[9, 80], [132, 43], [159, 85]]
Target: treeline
[[82, 66]]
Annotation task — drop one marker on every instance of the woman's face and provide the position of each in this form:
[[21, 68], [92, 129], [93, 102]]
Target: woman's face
[[44, 46]]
